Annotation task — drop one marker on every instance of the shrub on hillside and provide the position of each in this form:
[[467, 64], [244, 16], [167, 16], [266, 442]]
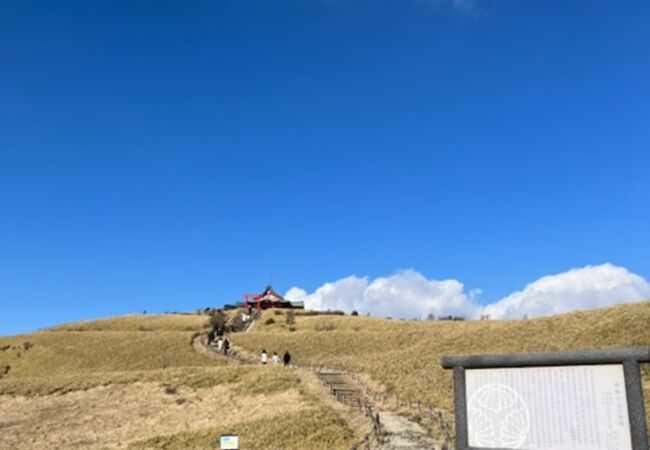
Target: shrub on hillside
[[218, 319], [320, 313], [355, 313], [325, 327], [269, 321], [170, 390], [451, 317]]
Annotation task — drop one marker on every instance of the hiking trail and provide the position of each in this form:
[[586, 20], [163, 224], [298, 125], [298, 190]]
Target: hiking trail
[[391, 431]]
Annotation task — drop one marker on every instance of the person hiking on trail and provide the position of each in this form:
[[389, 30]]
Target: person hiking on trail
[[276, 359], [210, 337], [287, 358], [219, 344], [226, 346], [263, 357]]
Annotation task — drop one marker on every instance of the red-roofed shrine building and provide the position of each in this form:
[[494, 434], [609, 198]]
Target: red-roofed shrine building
[[269, 299]]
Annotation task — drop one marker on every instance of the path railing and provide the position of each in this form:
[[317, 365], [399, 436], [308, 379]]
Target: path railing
[[237, 324], [395, 402], [374, 436]]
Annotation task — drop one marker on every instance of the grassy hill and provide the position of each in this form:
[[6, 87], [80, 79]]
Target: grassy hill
[[403, 357], [136, 381]]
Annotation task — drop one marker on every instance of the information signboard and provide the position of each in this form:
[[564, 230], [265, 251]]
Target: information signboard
[[229, 442], [574, 400], [548, 408]]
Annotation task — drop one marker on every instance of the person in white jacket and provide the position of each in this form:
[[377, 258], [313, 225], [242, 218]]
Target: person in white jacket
[[275, 359], [263, 357]]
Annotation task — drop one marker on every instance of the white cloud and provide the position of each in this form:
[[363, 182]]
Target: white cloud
[[586, 287], [408, 294]]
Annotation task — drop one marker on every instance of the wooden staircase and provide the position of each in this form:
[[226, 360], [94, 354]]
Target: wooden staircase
[[236, 324], [343, 388]]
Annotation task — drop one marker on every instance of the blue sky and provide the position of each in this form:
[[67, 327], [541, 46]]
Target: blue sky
[[173, 155]]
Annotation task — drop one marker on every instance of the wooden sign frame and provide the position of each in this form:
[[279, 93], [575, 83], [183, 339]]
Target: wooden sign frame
[[629, 358]]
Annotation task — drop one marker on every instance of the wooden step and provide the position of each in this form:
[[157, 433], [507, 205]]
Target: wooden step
[[333, 378], [347, 393], [339, 382], [347, 398], [343, 386], [352, 403], [332, 375]]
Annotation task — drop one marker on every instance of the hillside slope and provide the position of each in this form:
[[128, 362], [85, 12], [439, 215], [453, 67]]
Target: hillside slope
[[136, 382], [403, 357]]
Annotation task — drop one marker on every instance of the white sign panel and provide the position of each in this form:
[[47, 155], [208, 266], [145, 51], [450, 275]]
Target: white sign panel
[[548, 408], [229, 442]]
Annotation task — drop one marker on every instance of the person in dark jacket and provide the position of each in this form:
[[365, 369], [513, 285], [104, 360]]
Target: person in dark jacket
[[210, 337], [226, 346], [286, 358]]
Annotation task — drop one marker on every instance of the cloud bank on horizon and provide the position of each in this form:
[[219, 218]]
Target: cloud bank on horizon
[[409, 294]]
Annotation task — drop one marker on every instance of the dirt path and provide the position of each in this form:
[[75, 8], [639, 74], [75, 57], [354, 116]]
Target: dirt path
[[199, 344], [401, 433]]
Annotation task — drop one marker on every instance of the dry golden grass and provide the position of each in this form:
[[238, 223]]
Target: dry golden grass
[[90, 353], [404, 356], [313, 428], [61, 361], [244, 380], [140, 322], [55, 353], [116, 381], [113, 416]]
